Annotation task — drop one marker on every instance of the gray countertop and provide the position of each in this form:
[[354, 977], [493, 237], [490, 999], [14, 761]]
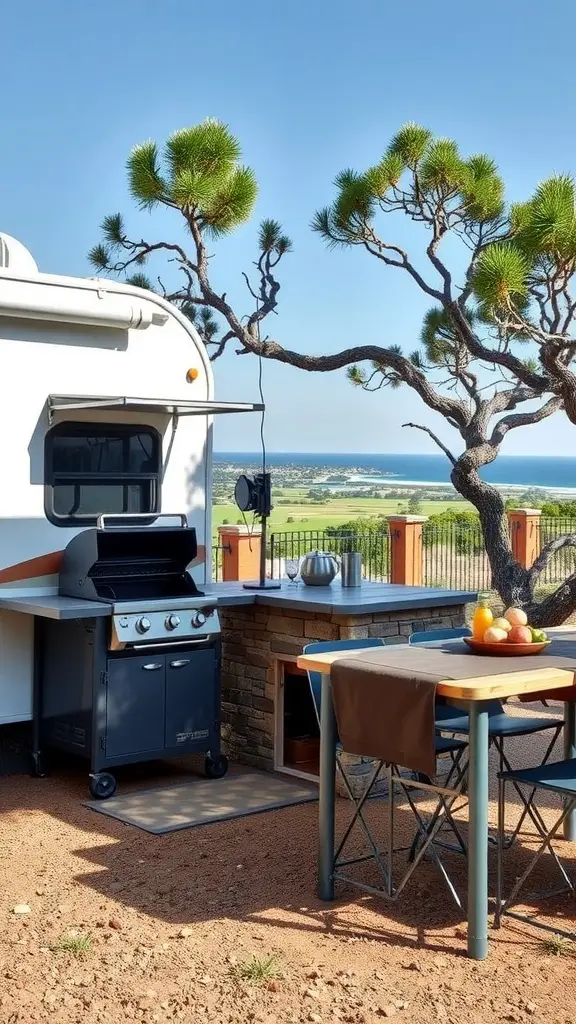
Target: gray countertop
[[55, 607], [338, 600], [335, 600]]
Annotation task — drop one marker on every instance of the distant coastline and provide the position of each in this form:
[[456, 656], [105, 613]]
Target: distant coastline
[[554, 474]]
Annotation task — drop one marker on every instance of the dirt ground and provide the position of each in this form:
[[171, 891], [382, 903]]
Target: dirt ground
[[171, 920]]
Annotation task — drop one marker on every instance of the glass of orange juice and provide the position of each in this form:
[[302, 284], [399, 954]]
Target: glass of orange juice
[[482, 619]]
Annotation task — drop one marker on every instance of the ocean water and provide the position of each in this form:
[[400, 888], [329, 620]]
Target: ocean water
[[546, 471]]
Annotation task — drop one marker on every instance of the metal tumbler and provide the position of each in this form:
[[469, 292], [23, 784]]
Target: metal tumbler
[[351, 569]]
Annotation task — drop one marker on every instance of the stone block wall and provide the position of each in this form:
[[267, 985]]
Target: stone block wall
[[255, 638]]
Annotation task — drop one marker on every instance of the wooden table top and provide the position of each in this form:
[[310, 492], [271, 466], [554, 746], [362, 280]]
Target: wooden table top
[[515, 683]]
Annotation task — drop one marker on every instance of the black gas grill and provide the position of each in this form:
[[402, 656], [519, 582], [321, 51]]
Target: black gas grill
[[143, 683]]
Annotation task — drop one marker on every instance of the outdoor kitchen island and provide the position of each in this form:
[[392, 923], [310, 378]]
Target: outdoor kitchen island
[[268, 719]]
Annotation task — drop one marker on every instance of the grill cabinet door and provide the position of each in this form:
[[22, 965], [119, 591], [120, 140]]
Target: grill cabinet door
[[135, 705], [191, 708]]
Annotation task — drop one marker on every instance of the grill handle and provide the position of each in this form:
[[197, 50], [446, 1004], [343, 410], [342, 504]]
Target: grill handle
[[180, 664], [152, 666], [101, 520], [161, 645]]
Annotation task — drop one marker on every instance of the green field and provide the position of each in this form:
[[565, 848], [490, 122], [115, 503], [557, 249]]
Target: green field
[[336, 511]]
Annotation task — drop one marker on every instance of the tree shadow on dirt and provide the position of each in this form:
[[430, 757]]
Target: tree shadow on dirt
[[259, 869]]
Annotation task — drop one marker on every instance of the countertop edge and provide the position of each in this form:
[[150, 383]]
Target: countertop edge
[[59, 608], [331, 601], [366, 603], [370, 605]]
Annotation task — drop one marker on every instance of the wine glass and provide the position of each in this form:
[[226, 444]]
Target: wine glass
[[292, 568]]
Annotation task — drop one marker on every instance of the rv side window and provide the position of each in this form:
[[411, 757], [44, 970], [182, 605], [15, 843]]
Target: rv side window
[[92, 468]]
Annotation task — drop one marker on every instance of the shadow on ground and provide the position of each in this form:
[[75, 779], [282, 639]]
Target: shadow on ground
[[260, 869]]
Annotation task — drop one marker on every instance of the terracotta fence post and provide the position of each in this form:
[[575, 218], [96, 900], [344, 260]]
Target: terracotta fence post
[[406, 549], [240, 552], [524, 525]]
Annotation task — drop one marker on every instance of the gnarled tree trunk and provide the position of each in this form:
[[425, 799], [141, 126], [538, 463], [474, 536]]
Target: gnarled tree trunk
[[509, 578], [514, 583]]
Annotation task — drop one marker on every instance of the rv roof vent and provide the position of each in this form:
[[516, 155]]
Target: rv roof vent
[[15, 258]]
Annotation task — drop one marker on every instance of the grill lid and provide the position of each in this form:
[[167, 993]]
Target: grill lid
[[129, 564]]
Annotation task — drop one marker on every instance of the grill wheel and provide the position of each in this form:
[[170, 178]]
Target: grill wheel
[[102, 786], [216, 768]]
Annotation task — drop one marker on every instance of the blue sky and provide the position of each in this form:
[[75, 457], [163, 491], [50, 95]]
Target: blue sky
[[309, 87]]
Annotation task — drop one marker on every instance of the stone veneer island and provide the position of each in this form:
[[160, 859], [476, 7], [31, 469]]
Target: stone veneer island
[[264, 632]]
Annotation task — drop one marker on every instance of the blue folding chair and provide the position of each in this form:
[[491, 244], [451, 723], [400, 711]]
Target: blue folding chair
[[426, 837], [427, 636], [501, 726], [558, 778], [319, 647]]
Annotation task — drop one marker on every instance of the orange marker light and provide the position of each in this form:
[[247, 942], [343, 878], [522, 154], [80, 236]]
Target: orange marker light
[[192, 374]]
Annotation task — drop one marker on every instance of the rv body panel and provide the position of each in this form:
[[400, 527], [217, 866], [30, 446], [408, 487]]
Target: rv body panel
[[46, 356]]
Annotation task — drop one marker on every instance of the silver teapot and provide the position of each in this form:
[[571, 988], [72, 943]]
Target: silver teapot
[[319, 568]]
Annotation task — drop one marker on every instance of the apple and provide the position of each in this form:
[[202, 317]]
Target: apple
[[520, 635], [493, 635], [516, 617], [502, 623]]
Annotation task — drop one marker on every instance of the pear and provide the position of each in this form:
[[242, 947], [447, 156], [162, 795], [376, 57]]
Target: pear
[[493, 635]]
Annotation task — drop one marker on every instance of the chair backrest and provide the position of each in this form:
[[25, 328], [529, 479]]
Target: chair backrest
[[319, 646], [495, 707], [428, 635]]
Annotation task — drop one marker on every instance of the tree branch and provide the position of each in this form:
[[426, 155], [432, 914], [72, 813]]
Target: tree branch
[[221, 345], [447, 452], [519, 369], [523, 419], [547, 552], [439, 228], [403, 262], [454, 409], [142, 249]]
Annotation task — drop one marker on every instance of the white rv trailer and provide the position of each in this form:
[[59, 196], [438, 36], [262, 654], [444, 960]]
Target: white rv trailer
[[106, 401]]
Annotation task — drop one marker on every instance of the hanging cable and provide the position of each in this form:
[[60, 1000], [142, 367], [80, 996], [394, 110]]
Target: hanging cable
[[261, 392], [262, 422], [255, 495]]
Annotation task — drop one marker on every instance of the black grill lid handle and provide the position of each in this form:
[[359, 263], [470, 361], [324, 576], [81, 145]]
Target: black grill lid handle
[[100, 522]]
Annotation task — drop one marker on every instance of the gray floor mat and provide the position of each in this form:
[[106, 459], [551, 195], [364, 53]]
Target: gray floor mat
[[168, 808]]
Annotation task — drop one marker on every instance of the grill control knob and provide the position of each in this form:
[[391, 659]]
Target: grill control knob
[[143, 625], [124, 622], [172, 622], [198, 619]]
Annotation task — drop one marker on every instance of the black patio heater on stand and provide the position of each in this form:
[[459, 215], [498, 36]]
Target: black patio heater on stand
[[255, 495]]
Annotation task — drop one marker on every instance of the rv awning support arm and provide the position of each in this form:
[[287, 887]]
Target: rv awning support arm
[[173, 429], [166, 407]]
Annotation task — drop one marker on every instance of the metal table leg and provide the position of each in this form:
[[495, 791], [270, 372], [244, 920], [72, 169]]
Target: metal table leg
[[478, 842], [569, 752], [327, 793]]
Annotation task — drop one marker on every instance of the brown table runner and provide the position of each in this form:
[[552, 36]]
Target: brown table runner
[[384, 698], [384, 713]]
